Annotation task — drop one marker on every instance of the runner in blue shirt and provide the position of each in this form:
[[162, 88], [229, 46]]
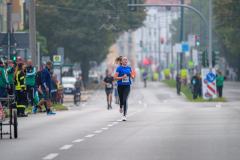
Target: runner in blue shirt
[[123, 75]]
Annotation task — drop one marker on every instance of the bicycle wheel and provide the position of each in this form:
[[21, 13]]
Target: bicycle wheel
[[77, 100]]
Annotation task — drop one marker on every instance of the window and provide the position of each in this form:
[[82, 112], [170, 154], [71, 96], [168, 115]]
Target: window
[[150, 33], [155, 17], [155, 32]]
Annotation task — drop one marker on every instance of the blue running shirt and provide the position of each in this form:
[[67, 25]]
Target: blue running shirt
[[124, 70]]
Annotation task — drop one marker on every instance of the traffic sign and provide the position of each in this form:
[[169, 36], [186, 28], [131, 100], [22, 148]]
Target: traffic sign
[[210, 77], [57, 59]]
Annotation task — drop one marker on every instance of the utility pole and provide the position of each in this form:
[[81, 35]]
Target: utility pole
[[142, 45], [210, 37], [32, 31], [172, 47], [9, 22], [159, 47], [129, 44], [182, 35], [167, 63]]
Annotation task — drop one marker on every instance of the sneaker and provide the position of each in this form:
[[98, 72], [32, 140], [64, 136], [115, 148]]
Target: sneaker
[[124, 118], [120, 110], [34, 109], [51, 113], [110, 106]]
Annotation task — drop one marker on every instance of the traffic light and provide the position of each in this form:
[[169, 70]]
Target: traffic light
[[14, 58], [197, 41], [133, 2], [202, 59], [215, 58], [162, 40]]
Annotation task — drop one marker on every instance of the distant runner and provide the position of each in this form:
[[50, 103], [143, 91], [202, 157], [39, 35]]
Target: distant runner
[[109, 82], [123, 74], [116, 93], [144, 75]]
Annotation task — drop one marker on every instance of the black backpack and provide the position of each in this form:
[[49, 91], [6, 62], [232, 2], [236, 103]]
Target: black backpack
[[38, 78]]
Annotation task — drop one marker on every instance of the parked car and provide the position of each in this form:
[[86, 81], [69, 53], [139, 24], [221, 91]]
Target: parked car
[[68, 84], [93, 76]]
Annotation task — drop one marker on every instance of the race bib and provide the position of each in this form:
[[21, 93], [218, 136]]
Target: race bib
[[125, 80], [109, 86]]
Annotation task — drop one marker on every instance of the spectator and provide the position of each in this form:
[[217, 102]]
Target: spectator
[[178, 83], [3, 79], [20, 88], [46, 89], [30, 80], [54, 88], [219, 81], [10, 71], [195, 83], [199, 86]]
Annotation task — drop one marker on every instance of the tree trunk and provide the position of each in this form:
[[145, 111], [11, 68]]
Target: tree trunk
[[85, 70]]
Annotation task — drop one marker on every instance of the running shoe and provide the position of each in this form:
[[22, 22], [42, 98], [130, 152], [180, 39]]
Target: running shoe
[[34, 109], [120, 110], [50, 113], [124, 118]]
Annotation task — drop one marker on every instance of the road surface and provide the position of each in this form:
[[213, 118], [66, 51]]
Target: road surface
[[160, 126]]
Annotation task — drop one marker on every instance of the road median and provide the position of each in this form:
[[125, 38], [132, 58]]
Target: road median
[[189, 96]]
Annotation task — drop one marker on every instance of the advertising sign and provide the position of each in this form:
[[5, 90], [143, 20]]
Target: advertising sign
[[209, 83]]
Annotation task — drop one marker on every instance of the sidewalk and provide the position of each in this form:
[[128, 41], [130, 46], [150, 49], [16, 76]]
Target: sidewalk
[[84, 96]]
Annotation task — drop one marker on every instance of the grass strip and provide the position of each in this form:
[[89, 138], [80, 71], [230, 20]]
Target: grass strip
[[184, 90]]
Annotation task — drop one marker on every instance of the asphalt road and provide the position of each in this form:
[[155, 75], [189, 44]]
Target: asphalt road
[[160, 126]]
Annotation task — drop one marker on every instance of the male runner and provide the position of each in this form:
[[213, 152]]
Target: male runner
[[109, 82], [144, 75]]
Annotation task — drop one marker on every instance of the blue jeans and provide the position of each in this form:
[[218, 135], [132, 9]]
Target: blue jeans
[[2, 91]]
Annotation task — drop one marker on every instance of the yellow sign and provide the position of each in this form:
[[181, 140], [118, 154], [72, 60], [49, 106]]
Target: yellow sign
[[155, 76], [57, 58], [166, 72], [184, 73]]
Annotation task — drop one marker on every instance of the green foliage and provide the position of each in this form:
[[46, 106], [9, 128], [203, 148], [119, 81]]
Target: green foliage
[[189, 96], [75, 25], [6, 113], [227, 28]]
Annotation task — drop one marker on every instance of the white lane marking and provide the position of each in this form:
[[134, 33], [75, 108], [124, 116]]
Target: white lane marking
[[218, 106], [131, 114], [109, 125], [115, 123], [78, 140], [90, 135], [165, 101], [65, 147], [119, 120], [140, 102], [97, 131], [51, 156], [145, 105], [84, 104], [104, 128]]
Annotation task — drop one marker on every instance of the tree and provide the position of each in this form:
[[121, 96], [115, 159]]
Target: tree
[[228, 31], [74, 25]]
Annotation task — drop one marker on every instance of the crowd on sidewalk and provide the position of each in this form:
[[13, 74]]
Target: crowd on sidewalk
[[29, 87], [196, 84]]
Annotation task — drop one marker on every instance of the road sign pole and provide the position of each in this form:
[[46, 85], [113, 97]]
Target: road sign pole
[[38, 48]]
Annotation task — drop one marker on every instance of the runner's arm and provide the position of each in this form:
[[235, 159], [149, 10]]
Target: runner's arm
[[119, 78]]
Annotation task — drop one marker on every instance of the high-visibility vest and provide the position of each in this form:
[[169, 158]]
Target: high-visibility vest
[[18, 86]]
